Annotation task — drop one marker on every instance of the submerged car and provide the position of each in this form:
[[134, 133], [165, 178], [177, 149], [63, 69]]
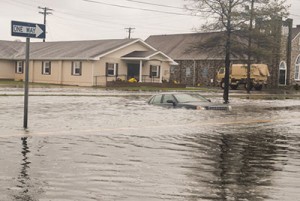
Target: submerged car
[[186, 100]]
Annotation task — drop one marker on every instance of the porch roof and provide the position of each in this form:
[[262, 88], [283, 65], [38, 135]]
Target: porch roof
[[147, 55]]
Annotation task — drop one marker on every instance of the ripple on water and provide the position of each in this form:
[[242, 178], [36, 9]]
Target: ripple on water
[[116, 148]]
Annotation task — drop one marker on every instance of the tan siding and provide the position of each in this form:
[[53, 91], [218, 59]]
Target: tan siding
[[85, 79], [7, 69]]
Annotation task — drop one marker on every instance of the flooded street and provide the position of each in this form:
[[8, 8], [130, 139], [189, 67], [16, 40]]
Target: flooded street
[[111, 145]]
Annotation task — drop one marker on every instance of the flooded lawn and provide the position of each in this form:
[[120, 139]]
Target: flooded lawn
[[114, 146]]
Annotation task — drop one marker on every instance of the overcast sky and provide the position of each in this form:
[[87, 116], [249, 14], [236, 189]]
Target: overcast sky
[[105, 19]]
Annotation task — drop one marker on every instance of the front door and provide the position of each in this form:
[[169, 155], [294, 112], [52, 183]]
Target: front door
[[133, 71], [282, 77]]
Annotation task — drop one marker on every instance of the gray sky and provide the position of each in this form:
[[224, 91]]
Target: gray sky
[[83, 20]]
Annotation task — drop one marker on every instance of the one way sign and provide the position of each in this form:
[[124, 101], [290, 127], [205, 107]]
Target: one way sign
[[28, 30]]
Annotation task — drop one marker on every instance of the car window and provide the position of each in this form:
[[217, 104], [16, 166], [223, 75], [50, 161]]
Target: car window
[[156, 99], [182, 98], [167, 97]]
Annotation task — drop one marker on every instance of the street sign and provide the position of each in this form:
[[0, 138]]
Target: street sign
[[28, 30]]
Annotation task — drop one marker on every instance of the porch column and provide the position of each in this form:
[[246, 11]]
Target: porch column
[[141, 71], [160, 72]]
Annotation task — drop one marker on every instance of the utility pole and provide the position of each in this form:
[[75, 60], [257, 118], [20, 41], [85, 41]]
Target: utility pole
[[45, 12], [249, 83], [129, 31]]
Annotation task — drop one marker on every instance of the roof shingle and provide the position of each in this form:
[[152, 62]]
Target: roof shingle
[[61, 50]]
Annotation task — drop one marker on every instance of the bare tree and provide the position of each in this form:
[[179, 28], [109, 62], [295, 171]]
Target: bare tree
[[221, 15], [237, 18]]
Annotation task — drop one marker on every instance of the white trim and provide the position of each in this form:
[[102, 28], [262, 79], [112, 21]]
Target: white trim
[[135, 58], [20, 66], [75, 67], [46, 65], [172, 62], [298, 34], [115, 69], [160, 72]]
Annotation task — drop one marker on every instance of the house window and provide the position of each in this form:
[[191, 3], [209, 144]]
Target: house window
[[154, 71], [46, 68], [111, 69], [20, 67], [205, 72], [76, 67], [188, 72], [172, 69], [282, 73], [297, 68]]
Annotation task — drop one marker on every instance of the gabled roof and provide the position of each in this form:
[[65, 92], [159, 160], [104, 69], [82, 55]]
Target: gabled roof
[[65, 50], [181, 46], [147, 55], [10, 49]]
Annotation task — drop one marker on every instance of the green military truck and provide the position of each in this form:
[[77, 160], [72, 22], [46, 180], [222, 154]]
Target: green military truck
[[259, 74]]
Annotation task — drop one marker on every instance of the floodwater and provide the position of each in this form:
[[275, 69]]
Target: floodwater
[[113, 146]]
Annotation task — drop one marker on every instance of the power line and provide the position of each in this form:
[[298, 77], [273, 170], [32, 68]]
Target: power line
[[154, 4], [135, 8], [45, 12]]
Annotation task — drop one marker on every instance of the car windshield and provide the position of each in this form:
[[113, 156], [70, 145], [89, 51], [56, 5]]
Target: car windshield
[[183, 98]]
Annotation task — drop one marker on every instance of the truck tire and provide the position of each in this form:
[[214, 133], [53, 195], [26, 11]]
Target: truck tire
[[250, 87], [222, 84], [234, 86], [258, 87]]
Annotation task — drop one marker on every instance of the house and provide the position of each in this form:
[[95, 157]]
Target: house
[[200, 65], [85, 63], [196, 66]]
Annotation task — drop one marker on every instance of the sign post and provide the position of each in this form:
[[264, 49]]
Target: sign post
[[25, 119], [28, 30]]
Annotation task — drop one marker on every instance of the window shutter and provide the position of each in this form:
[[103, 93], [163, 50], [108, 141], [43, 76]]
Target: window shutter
[[106, 69], [158, 73], [42, 67], [72, 68], [150, 74], [23, 66], [117, 69], [16, 67], [49, 67], [80, 70]]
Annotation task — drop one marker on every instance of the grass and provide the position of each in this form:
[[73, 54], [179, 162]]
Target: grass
[[12, 83], [269, 95]]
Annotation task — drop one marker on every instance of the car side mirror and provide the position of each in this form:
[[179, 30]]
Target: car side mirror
[[171, 101], [208, 100]]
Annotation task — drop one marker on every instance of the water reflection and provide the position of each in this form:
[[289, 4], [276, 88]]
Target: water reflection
[[239, 165], [24, 177]]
